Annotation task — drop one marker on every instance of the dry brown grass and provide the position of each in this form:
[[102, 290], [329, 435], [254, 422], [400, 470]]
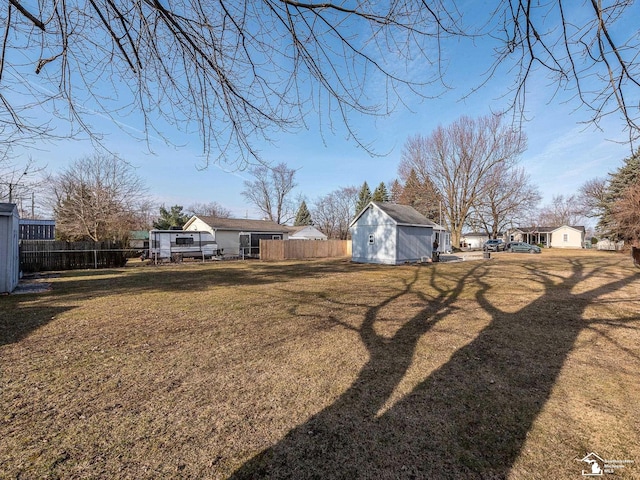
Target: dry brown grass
[[508, 368]]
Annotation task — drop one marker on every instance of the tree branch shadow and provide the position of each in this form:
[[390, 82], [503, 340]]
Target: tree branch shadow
[[467, 419]]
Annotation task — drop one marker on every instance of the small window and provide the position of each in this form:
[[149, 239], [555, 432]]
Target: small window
[[184, 240], [371, 239], [565, 237]]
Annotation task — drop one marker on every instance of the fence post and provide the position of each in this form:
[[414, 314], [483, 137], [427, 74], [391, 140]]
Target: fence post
[[95, 259]]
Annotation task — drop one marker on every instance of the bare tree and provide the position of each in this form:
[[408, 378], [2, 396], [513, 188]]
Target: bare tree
[[509, 197], [22, 185], [234, 71], [98, 198], [592, 197], [561, 211], [211, 209], [270, 191], [333, 212], [457, 160]]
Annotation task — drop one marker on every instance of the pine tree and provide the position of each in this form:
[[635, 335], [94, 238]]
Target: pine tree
[[396, 191], [380, 194], [364, 197], [172, 218], [420, 195], [626, 176], [303, 217]]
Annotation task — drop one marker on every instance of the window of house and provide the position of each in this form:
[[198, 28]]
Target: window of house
[[371, 239], [565, 237]]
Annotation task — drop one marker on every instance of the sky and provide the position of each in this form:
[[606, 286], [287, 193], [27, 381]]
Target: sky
[[562, 152]]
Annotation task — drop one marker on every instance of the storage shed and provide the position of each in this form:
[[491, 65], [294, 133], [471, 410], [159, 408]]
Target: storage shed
[[391, 234], [9, 248]]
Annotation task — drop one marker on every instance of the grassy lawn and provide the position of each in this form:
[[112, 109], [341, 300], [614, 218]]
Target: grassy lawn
[[515, 367]]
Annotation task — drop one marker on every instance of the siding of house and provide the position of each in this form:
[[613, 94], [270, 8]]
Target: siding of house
[[574, 238], [228, 241], [198, 224]]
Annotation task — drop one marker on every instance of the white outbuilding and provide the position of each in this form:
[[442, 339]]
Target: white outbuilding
[[392, 234], [9, 247]]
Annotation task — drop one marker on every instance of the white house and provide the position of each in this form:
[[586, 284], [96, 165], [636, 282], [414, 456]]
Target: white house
[[237, 236], [564, 236], [392, 234], [473, 240], [568, 237], [9, 247], [306, 232]]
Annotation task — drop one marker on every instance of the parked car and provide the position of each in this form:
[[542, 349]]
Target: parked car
[[493, 245], [523, 247]]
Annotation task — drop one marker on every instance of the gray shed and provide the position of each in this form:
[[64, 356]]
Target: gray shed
[[9, 250], [391, 234]]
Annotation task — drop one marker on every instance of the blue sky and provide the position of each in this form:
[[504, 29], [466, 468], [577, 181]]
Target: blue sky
[[562, 153]]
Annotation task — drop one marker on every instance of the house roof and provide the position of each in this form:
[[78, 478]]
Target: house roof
[[547, 229], [298, 229], [401, 214], [240, 224], [477, 234]]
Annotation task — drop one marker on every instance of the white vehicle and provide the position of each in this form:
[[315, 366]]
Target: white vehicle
[[176, 244]]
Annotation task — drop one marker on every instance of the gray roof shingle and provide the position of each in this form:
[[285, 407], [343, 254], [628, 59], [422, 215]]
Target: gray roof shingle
[[243, 225]]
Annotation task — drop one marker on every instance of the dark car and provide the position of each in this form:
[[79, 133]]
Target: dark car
[[523, 247], [493, 245]]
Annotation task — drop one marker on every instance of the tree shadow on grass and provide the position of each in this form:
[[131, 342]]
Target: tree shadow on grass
[[21, 322], [467, 419], [198, 277]]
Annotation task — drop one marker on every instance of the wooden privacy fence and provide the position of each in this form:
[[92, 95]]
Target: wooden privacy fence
[[299, 249], [44, 255]]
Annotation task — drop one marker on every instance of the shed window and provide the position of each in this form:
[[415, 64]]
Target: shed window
[[371, 239], [184, 240], [565, 237]]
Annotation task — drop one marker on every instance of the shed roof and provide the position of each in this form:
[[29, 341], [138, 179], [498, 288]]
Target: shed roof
[[240, 224], [8, 209], [401, 215]]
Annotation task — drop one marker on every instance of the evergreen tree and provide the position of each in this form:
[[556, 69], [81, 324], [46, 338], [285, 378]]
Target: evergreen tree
[[421, 195], [380, 194], [619, 182], [364, 197], [170, 219], [303, 217], [396, 191]]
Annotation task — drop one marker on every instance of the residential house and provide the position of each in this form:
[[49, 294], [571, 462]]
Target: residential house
[[564, 236], [237, 236]]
